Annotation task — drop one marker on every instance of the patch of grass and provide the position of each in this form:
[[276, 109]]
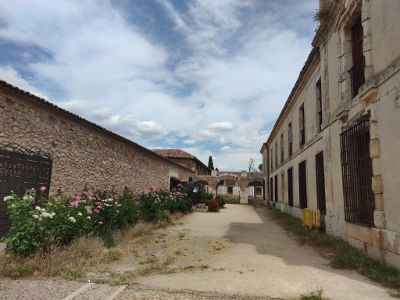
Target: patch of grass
[[315, 295], [20, 271], [344, 256], [189, 267], [204, 267], [394, 294], [178, 252], [73, 273], [232, 201], [112, 256]]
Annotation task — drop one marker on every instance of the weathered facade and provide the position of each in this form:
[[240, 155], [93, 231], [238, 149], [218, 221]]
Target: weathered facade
[[185, 159], [246, 186], [336, 143], [41, 143]]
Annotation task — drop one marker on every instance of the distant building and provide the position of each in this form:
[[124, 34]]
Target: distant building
[[246, 186], [336, 144], [185, 159]]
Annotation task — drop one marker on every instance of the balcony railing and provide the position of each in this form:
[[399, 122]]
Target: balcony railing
[[357, 75]]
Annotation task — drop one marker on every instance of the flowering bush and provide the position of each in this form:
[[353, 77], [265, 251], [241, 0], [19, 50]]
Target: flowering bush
[[213, 205], [59, 219]]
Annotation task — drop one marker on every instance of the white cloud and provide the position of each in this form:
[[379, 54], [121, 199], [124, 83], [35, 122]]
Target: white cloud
[[10, 75], [225, 77]]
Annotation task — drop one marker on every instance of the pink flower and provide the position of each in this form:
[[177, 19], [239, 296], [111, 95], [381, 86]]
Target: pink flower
[[58, 199], [88, 209], [43, 188], [49, 203], [96, 210], [145, 191], [77, 198], [101, 223], [97, 203], [137, 203], [105, 204], [152, 188]]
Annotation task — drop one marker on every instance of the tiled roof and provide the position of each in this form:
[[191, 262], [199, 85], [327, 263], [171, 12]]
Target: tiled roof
[[173, 153]]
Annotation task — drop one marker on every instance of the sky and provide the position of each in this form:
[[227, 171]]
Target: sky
[[208, 77]]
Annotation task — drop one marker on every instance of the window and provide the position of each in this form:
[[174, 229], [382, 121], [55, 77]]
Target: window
[[271, 189], [357, 71], [258, 191], [276, 155], [290, 186], [282, 154], [290, 139], [283, 186], [319, 171], [230, 190], [302, 185], [319, 105], [359, 203], [272, 160], [276, 188], [301, 125]]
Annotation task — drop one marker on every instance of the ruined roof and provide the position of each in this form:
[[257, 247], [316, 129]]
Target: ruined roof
[[54, 108]]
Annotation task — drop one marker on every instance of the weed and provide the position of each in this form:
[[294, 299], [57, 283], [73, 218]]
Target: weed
[[204, 267], [20, 271], [178, 252], [72, 273], [189, 267], [112, 256], [315, 295], [394, 294]]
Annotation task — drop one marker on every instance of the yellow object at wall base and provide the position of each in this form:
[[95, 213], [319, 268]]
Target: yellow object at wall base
[[311, 218]]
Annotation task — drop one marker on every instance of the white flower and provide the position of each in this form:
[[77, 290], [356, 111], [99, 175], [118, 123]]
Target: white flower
[[8, 198], [37, 207], [79, 214], [88, 217], [47, 215], [35, 216], [72, 219], [28, 197]]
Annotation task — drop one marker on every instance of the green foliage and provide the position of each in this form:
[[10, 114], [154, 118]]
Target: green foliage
[[315, 295], [210, 163], [204, 196], [59, 220], [233, 200], [220, 200]]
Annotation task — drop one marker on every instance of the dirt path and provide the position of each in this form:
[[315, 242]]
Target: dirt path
[[244, 252], [238, 253]]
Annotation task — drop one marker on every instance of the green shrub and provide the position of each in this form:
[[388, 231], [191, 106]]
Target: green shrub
[[59, 220], [220, 200]]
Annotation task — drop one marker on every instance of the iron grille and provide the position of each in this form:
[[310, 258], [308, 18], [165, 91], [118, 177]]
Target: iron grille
[[359, 204]]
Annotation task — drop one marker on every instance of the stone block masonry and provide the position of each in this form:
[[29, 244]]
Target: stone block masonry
[[82, 152]]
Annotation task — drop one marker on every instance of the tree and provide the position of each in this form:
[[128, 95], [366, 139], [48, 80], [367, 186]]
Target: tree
[[251, 165], [210, 163]]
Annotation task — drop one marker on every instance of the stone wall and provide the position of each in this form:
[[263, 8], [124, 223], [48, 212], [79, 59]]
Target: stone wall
[[82, 152]]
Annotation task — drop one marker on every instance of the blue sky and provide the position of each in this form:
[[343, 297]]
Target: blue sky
[[208, 76]]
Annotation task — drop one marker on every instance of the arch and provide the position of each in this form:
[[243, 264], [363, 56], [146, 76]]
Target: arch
[[256, 189]]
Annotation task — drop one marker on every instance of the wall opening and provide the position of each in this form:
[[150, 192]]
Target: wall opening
[[290, 186], [303, 184], [319, 171]]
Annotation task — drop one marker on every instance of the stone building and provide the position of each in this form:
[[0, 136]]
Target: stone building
[[336, 143], [246, 186], [185, 159], [42, 144]]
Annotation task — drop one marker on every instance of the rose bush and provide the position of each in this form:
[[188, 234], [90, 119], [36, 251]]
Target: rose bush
[[58, 220]]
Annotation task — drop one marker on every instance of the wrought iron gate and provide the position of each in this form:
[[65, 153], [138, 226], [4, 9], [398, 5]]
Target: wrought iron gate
[[19, 173]]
